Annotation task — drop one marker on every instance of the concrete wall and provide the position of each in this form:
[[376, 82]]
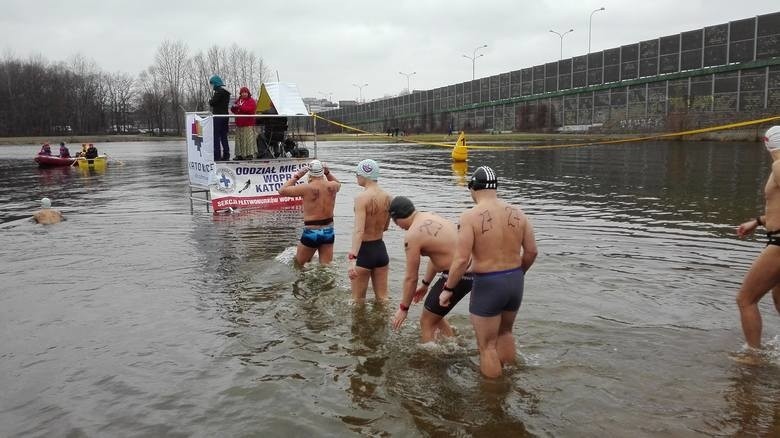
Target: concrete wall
[[696, 78]]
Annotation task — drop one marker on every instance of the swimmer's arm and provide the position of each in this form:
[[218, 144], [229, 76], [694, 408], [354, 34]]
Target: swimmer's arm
[[360, 225], [776, 172], [460, 260], [412, 271], [290, 189], [331, 177], [529, 247]]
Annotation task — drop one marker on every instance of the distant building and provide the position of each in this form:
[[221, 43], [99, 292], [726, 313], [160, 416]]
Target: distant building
[[315, 105], [343, 103]]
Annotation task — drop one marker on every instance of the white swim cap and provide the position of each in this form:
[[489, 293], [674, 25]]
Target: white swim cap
[[45, 203], [772, 138], [369, 169], [316, 169]]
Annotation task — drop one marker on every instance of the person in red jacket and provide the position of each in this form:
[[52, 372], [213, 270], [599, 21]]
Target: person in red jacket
[[245, 132]]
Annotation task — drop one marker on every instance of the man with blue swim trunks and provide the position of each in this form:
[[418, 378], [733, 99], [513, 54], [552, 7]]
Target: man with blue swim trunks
[[499, 241], [319, 200]]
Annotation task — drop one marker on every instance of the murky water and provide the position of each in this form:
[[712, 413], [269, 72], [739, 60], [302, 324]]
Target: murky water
[[137, 318]]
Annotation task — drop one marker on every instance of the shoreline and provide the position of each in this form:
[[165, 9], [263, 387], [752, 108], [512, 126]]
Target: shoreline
[[78, 139]]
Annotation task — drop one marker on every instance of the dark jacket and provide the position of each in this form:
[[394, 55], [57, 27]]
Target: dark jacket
[[91, 152], [219, 101]]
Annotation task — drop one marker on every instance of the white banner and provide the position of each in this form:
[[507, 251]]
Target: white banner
[[200, 149], [253, 184]]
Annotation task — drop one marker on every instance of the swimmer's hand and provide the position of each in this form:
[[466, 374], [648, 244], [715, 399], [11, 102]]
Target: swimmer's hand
[[419, 294], [444, 298], [746, 228], [352, 272], [400, 317]]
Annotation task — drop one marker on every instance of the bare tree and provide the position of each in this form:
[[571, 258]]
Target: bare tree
[[171, 64]]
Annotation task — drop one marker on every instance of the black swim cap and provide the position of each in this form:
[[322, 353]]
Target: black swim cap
[[401, 207], [483, 178]]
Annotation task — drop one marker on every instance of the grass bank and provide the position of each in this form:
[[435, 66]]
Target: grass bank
[[78, 139]]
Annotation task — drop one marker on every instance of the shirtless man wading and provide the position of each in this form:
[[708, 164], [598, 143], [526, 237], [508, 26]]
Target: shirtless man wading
[[319, 200], [499, 240], [368, 255], [764, 274], [47, 215], [427, 234]]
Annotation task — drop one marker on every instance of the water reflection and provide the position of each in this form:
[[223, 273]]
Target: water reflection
[[754, 408]]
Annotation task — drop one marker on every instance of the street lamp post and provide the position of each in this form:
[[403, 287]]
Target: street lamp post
[[473, 59], [590, 22], [561, 35], [360, 87], [408, 89]]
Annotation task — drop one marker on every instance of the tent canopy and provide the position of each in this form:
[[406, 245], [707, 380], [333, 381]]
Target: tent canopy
[[284, 97]]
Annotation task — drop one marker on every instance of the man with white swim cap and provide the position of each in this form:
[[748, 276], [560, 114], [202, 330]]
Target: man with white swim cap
[[427, 234], [47, 215], [319, 200], [764, 274], [367, 256], [498, 239]]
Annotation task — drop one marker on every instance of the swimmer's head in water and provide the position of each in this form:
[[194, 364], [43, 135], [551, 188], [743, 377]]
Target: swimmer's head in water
[[483, 178], [316, 169], [772, 138], [45, 203], [401, 207], [368, 169]]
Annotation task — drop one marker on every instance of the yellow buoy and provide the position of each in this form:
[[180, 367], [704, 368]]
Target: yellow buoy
[[459, 170], [460, 152]]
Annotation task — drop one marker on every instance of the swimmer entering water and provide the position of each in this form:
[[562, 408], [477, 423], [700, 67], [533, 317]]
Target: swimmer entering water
[[368, 257], [47, 215], [764, 274], [499, 240], [319, 200], [431, 235]]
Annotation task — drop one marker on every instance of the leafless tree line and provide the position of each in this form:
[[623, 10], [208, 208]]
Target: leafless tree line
[[76, 97]]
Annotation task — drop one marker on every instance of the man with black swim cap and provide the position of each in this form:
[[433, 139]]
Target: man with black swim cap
[[498, 240], [431, 235], [319, 200], [764, 274]]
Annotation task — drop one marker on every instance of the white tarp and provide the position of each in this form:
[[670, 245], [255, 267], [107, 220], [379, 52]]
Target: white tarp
[[285, 98]]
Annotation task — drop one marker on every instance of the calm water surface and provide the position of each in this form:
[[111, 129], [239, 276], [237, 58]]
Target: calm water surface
[[136, 317]]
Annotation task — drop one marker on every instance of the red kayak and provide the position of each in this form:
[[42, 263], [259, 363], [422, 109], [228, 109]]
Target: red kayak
[[53, 161]]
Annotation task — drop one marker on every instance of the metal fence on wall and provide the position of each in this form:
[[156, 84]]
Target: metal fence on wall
[[711, 72]]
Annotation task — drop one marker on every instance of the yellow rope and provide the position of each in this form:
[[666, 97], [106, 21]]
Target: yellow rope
[[571, 145]]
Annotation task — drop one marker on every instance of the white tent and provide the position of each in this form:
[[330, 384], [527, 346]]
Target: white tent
[[282, 96]]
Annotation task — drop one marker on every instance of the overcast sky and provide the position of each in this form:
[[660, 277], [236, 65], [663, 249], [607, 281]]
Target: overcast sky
[[326, 46]]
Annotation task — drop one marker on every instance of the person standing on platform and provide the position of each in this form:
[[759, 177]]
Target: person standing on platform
[[219, 106], [498, 240], [319, 201], [368, 259], [245, 126], [764, 274]]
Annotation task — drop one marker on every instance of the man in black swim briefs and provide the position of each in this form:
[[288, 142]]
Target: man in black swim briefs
[[319, 200], [368, 259], [764, 274], [427, 234], [499, 240]]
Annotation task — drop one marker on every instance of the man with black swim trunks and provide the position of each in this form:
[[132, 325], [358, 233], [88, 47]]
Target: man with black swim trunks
[[764, 274], [431, 235], [368, 255], [319, 200], [499, 240]]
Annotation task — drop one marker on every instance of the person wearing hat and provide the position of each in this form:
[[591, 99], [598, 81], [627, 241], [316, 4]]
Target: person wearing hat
[[245, 126], [219, 105], [431, 235], [367, 257], [319, 200], [497, 239], [45, 149], [64, 152], [47, 215], [764, 274]]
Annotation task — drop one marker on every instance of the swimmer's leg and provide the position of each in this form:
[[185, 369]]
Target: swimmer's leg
[[326, 253], [359, 284], [507, 351], [379, 282], [429, 322], [776, 297], [304, 254], [486, 329], [762, 276]]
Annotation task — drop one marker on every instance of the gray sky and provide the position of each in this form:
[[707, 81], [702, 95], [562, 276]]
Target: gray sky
[[326, 46]]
